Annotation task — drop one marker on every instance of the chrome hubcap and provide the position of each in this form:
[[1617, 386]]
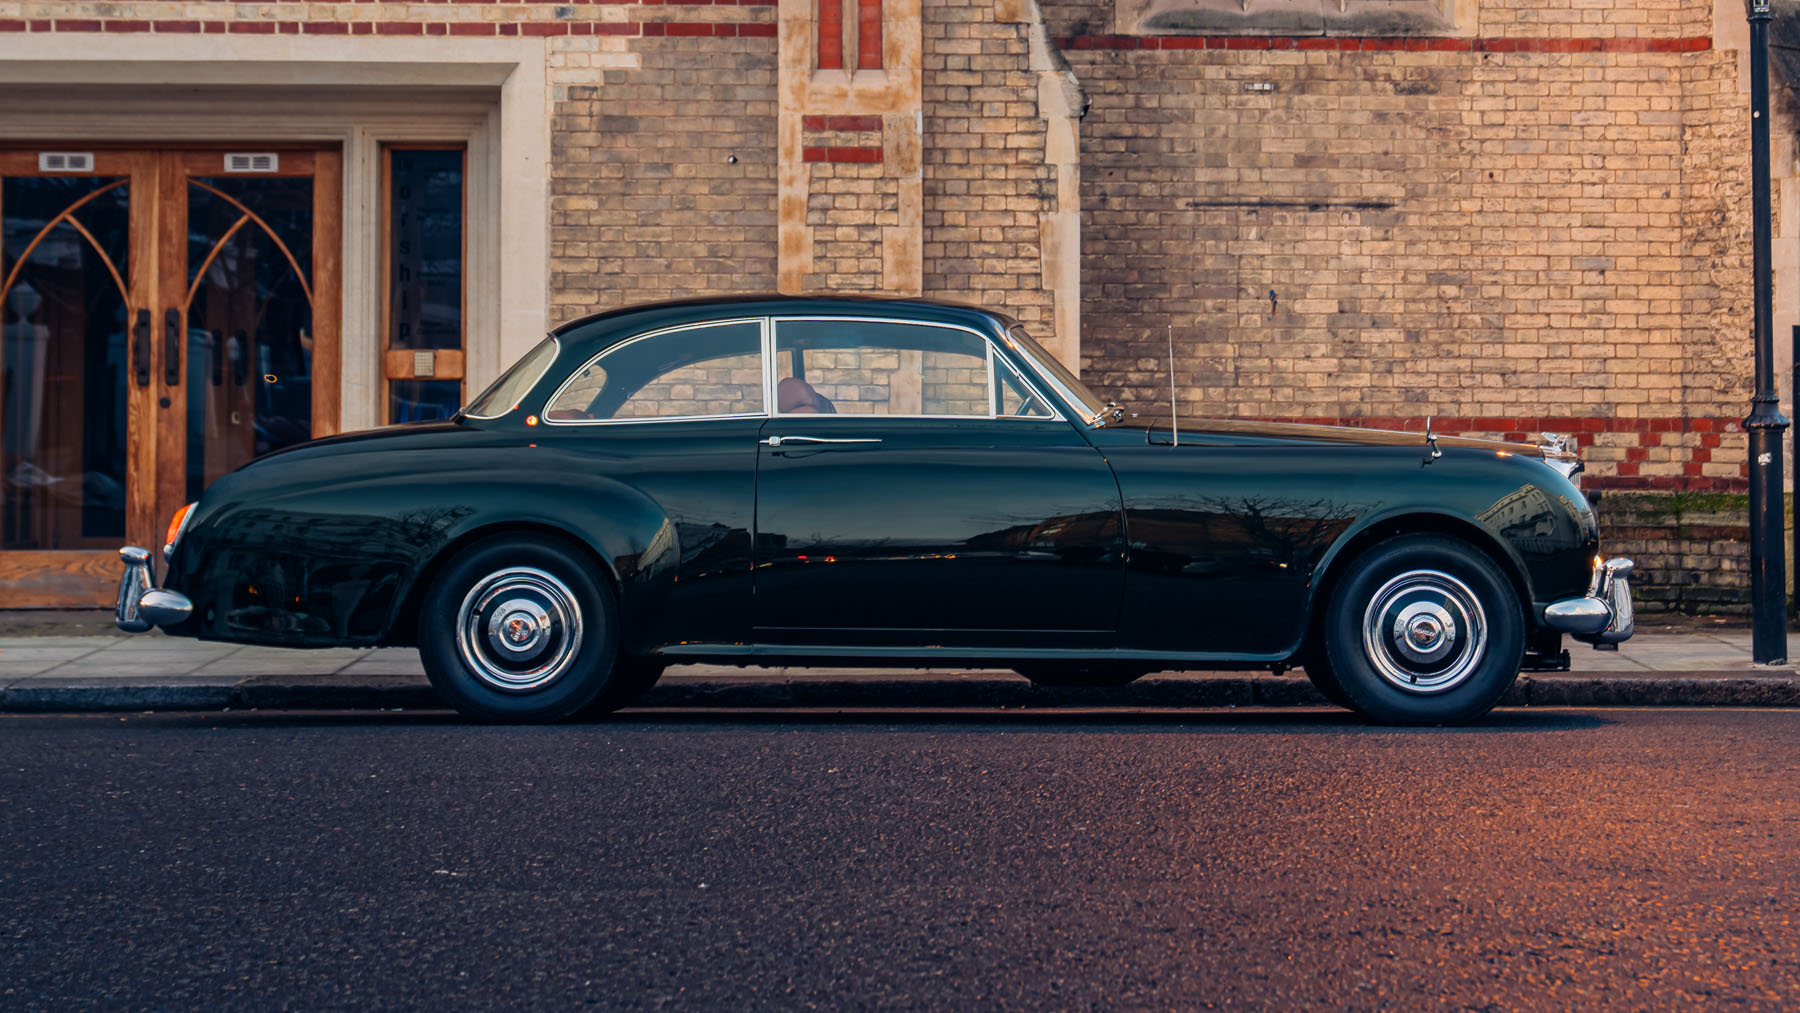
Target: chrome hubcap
[[519, 629], [1425, 631]]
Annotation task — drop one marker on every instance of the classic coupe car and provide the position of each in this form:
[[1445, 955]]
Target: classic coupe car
[[787, 481]]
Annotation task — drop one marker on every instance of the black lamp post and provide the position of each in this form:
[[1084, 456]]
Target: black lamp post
[[1768, 551]]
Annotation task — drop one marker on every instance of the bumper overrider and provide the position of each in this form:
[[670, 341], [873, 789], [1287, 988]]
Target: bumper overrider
[[1602, 617], [141, 603]]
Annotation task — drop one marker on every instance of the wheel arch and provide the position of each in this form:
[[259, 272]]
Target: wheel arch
[[1423, 522], [404, 630]]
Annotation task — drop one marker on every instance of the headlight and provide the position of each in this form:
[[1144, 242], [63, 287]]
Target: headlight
[[177, 524]]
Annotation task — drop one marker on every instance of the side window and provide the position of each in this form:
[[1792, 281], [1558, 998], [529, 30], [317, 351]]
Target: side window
[[861, 367], [707, 369], [1013, 398]]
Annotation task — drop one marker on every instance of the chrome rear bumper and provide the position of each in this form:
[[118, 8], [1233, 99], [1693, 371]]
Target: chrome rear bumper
[[1602, 617], [141, 604]]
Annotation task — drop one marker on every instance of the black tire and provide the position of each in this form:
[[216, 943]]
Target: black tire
[[1423, 629], [539, 593], [1079, 674], [631, 679], [1319, 674]]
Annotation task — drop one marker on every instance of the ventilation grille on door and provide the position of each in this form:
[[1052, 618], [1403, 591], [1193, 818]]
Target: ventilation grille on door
[[65, 161], [243, 162]]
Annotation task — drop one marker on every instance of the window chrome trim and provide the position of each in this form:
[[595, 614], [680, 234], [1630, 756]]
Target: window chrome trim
[[1025, 376], [1067, 395], [465, 413], [763, 324]]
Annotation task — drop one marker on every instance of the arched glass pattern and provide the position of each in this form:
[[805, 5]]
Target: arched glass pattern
[[64, 326], [249, 321]]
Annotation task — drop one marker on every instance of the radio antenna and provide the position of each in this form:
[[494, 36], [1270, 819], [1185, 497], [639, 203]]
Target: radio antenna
[[1174, 412]]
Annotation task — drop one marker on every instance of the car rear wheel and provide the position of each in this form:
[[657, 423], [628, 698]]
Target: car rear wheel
[[1075, 674], [631, 679], [517, 630], [1423, 629]]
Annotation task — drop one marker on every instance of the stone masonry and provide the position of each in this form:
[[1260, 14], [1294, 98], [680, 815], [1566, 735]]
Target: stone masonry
[[1509, 215]]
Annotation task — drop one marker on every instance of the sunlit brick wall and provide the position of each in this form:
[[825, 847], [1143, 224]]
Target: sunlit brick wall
[[1540, 222], [985, 179]]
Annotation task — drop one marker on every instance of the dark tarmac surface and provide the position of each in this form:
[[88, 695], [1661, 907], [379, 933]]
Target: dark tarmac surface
[[1619, 859]]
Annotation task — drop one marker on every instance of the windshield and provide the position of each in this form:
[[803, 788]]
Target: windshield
[[513, 384], [1092, 408]]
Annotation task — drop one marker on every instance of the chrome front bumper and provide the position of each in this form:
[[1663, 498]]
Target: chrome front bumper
[[1602, 617], [141, 604]]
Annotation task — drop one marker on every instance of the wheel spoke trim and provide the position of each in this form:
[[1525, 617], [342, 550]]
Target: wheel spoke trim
[[518, 629], [1425, 632]]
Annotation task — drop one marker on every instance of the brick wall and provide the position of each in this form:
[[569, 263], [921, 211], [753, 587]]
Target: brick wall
[[986, 182], [663, 175], [1540, 221]]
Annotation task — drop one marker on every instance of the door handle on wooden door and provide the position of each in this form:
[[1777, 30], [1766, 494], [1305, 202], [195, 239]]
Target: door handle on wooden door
[[140, 348], [172, 347]]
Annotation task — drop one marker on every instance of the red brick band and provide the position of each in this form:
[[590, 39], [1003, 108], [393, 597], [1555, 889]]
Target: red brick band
[[1649, 432], [1520, 425], [866, 155], [634, 29], [1376, 44], [841, 123], [831, 34], [868, 34]]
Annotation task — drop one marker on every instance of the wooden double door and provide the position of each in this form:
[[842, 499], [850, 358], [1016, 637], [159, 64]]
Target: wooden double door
[[165, 317]]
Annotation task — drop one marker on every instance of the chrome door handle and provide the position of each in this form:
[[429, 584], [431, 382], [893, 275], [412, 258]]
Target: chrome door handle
[[778, 441]]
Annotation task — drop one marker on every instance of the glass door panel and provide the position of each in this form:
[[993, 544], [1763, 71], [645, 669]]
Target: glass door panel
[[164, 319], [249, 321], [65, 370]]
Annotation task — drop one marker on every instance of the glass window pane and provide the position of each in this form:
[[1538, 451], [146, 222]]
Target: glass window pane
[[713, 369], [425, 248], [1016, 400], [515, 383], [423, 400], [249, 324], [64, 365], [857, 367]]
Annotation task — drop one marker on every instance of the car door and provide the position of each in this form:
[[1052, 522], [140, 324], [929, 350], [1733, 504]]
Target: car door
[[674, 414], [913, 489]]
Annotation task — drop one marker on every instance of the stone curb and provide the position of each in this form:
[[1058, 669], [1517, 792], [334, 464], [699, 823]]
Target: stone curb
[[1699, 689]]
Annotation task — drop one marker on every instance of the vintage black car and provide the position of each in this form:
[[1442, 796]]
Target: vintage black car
[[788, 481]]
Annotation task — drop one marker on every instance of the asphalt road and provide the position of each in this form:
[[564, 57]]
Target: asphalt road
[[1543, 860]]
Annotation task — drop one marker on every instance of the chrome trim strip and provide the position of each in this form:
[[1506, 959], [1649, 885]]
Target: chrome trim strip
[[658, 418], [781, 441], [761, 322]]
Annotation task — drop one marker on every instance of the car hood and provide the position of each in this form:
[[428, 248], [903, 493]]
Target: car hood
[[1161, 432]]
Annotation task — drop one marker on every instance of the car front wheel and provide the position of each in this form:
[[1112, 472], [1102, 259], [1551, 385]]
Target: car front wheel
[[519, 630], [1424, 629]]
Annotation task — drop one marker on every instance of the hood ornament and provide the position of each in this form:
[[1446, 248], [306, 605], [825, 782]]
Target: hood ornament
[[1430, 441]]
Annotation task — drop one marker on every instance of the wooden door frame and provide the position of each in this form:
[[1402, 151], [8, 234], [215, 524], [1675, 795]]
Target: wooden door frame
[[156, 433]]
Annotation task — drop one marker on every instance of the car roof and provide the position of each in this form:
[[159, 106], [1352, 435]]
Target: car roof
[[598, 329]]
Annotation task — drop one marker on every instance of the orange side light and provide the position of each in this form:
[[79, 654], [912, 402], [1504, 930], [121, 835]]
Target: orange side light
[[175, 525]]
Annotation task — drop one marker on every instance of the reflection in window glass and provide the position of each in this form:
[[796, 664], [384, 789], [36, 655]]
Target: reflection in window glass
[[713, 369], [249, 324], [63, 349], [1016, 400], [855, 367], [423, 400], [425, 239], [515, 383]]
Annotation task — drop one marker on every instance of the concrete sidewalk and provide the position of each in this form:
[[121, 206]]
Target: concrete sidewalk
[[154, 672]]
